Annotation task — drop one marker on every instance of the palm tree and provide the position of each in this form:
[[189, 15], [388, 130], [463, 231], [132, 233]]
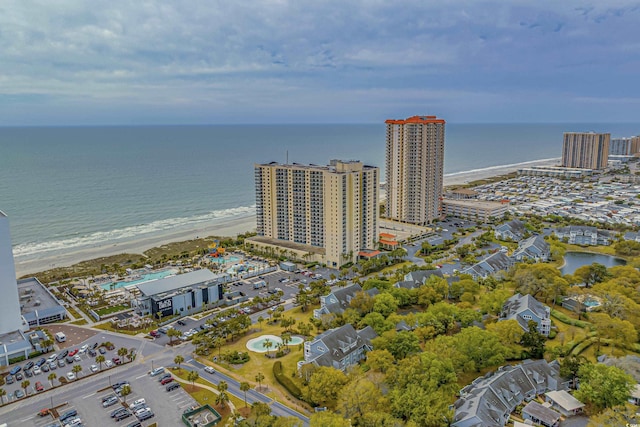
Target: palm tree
[[3, 393], [260, 320], [132, 354], [259, 378], [222, 396], [24, 384], [286, 339], [267, 344], [76, 369], [178, 360], [193, 377], [122, 352], [52, 376], [172, 333], [100, 360], [218, 342], [126, 390], [244, 386]]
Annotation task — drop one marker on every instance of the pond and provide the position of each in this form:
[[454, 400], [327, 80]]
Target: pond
[[256, 344], [575, 260]]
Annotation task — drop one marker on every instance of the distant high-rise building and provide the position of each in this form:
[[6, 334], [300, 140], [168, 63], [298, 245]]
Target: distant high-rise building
[[415, 163], [622, 147], [10, 318], [323, 213], [586, 150]]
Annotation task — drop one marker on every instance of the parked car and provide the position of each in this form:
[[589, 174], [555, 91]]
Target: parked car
[[15, 370], [92, 352], [135, 424], [181, 323], [156, 371], [73, 352], [110, 346], [28, 365], [68, 415], [94, 368], [77, 358], [146, 415], [119, 384], [122, 415], [110, 401], [39, 386], [117, 360], [71, 376], [28, 373], [165, 376], [63, 354], [117, 411], [84, 348], [69, 359], [166, 380], [137, 402], [53, 365], [19, 394], [154, 334], [102, 350], [41, 361], [45, 368], [9, 379], [108, 364], [19, 377], [172, 386], [36, 370]]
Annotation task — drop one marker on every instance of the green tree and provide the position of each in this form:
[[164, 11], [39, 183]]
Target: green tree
[[24, 384], [173, 333], [508, 331], [325, 385], [592, 274], [178, 360], [385, 304], [380, 360], [534, 340], [328, 419], [123, 352], [126, 391], [616, 330], [603, 386], [259, 378], [362, 302], [52, 376], [570, 366], [100, 359], [223, 397], [3, 393], [267, 343], [360, 396], [193, 377], [492, 302], [617, 416], [218, 342], [76, 369], [244, 387]]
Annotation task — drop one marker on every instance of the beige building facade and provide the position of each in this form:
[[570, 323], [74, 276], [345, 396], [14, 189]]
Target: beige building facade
[[586, 150], [317, 213], [478, 210], [414, 169]]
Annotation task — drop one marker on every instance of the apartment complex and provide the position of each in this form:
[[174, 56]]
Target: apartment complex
[[624, 146], [317, 213], [415, 162], [586, 150]]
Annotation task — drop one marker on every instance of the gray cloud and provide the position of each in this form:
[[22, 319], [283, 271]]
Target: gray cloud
[[213, 61]]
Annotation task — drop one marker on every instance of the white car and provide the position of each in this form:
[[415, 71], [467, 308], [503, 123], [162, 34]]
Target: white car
[[94, 368], [209, 370], [83, 348], [77, 358], [36, 370], [71, 376], [108, 363], [137, 402], [52, 358]]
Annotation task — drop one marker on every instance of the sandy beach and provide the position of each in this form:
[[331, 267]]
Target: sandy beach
[[228, 228]]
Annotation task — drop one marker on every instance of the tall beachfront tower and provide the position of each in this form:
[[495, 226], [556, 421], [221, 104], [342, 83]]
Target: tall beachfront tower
[[10, 317], [415, 163], [323, 213], [586, 150]]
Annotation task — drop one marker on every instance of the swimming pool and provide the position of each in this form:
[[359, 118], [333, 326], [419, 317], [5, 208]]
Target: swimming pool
[[143, 278], [224, 260], [257, 344]]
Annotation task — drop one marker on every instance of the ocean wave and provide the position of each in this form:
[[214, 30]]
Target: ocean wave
[[130, 233], [511, 165]]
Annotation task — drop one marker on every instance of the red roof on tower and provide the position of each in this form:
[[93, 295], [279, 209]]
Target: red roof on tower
[[416, 119]]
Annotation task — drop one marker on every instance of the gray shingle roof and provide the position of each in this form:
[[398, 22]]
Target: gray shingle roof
[[541, 413]]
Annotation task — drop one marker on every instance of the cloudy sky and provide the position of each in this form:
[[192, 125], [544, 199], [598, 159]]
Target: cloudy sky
[[70, 62]]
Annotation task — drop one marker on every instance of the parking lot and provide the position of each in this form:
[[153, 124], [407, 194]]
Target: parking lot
[[165, 405], [63, 366]]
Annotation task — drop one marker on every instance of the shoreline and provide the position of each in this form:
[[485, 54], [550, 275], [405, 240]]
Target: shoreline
[[222, 228]]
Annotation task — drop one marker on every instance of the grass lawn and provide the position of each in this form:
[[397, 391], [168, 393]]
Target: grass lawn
[[106, 326], [79, 322], [607, 250], [74, 312], [260, 363], [109, 310]]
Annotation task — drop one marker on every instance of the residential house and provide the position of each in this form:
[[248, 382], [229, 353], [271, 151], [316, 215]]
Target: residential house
[[583, 235], [489, 400], [534, 248], [339, 347], [339, 300], [417, 278], [523, 309], [492, 264], [512, 230], [564, 402], [540, 414], [632, 235]]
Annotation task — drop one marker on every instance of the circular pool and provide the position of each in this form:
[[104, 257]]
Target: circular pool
[[257, 344]]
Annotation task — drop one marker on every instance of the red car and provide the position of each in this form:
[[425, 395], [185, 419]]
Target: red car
[[39, 386], [166, 380], [116, 360], [73, 352], [154, 334]]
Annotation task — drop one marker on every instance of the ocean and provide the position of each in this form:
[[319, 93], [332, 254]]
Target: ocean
[[66, 188]]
